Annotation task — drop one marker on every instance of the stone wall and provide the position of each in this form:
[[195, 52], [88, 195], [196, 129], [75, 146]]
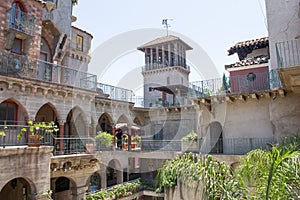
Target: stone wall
[[29, 163]]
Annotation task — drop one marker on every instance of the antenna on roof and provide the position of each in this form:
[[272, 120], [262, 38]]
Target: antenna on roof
[[166, 24]]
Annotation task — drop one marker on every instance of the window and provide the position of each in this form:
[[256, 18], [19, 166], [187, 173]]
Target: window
[[8, 113], [17, 46], [16, 16], [79, 43], [158, 130]]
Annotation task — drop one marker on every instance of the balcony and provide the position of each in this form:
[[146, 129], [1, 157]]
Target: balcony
[[158, 102], [114, 93], [155, 66], [288, 60], [225, 146], [21, 22], [236, 84], [20, 66]]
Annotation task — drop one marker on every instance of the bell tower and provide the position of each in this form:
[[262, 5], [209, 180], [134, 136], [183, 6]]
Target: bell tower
[[165, 73]]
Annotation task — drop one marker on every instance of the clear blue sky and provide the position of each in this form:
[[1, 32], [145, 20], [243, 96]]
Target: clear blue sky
[[215, 25]]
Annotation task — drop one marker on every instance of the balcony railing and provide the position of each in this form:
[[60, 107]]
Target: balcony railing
[[10, 138], [158, 102], [154, 66], [21, 21], [288, 53], [227, 146], [115, 93], [73, 145], [21, 66], [239, 84]]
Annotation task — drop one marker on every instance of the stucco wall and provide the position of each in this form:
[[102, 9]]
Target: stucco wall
[[283, 23]]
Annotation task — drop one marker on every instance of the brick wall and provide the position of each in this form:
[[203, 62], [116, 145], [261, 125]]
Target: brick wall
[[31, 7]]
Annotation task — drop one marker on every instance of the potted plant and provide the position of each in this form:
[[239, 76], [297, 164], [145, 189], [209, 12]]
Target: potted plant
[[189, 143], [36, 132], [125, 141], [137, 140], [104, 139]]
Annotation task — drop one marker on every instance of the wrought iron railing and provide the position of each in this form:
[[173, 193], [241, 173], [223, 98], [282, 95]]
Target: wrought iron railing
[[73, 145], [227, 146], [207, 88], [21, 21], [288, 53], [9, 136], [158, 102], [115, 93], [154, 66], [21, 66]]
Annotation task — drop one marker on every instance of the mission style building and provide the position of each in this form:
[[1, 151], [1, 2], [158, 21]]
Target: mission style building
[[44, 78]]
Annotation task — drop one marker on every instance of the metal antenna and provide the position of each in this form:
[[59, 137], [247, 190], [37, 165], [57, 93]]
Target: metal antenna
[[166, 24]]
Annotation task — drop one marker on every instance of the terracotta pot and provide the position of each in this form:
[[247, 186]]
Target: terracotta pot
[[34, 141]]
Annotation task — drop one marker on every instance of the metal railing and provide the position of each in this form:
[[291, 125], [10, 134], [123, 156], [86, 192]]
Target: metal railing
[[115, 93], [288, 53], [154, 66], [21, 21], [73, 145], [158, 102], [227, 146], [21, 66], [207, 88], [9, 136]]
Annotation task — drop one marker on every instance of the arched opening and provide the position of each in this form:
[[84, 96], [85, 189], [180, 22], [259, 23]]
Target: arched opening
[[62, 188], [47, 113], [114, 173], [104, 123], [123, 133], [216, 138], [94, 182], [75, 132], [12, 113], [17, 188]]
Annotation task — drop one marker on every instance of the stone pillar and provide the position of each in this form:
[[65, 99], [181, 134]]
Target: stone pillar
[[43, 196], [129, 136], [151, 56], [156, 54], [87, 130], [79, 193], [103, 176], [176, 54], [169, 54], [163, 54], [113, 133], [61, 135]]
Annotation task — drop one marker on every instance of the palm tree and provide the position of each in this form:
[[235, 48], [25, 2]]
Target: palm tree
[[274, 173]]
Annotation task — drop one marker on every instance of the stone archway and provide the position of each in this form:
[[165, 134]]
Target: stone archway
[[47, 113], [94, 182], [12, 112], [105, 123], [114, 173], [17, 188], [216, 138], [63, 188]]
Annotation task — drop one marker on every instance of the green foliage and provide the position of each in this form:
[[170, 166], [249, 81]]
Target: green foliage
[[263, 174], [105, 138], [117, 191], [219, 183], [3, 131], [38, 128], [191, 137], [274, 173], [136, 138]]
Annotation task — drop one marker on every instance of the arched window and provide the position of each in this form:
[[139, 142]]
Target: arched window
[[8, 113], [17, 15]]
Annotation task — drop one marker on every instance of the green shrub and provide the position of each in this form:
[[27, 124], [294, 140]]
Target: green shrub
[[105, 138], [191, 137]]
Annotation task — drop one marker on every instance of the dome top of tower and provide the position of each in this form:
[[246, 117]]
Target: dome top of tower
[[162, 40]]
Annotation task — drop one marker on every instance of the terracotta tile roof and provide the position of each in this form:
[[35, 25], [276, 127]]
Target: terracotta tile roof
[[162, 40], [250, 61], [249, 44]]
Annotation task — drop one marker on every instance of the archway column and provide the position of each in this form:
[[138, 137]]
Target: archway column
[[61, 135], [129, 136], [103, 176]]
